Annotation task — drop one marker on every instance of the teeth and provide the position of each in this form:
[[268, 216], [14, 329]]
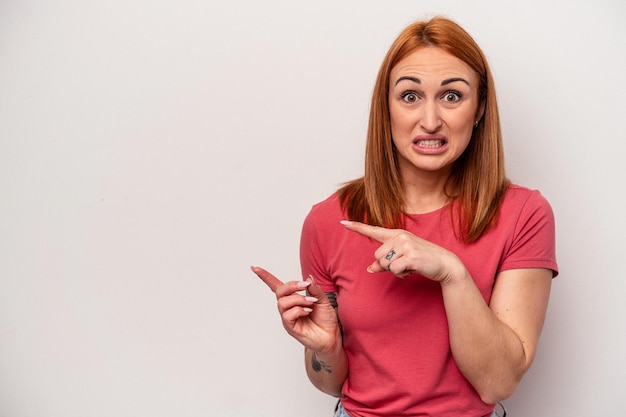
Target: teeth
[[432, 143]]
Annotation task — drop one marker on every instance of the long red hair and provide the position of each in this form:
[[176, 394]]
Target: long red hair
[[477, 182]]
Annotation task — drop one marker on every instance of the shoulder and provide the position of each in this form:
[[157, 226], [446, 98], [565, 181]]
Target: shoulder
[[324, 216], [528, 215], [527, 219], [330, 208], [519, 199]]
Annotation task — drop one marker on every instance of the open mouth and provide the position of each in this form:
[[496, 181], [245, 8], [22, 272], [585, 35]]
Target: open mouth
[[433, 144], [430, 143]]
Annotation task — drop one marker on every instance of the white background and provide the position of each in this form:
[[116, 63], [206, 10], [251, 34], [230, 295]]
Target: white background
[[152, 150]]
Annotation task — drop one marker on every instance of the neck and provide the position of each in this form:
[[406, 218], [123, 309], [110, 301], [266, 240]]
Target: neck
[[425, 192]]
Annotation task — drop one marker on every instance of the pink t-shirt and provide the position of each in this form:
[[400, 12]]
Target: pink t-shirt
[[395, 330]]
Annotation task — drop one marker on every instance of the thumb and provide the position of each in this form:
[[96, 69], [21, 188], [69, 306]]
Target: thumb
[[315, 290], [375, 267]]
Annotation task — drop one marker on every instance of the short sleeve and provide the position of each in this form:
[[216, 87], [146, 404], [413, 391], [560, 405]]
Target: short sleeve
[[533, 244], [312, 260]]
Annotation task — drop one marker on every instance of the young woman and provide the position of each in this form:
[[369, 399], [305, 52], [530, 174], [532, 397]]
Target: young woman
[[427, 280]]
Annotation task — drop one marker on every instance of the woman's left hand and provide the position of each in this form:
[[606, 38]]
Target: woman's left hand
[[402, 253]]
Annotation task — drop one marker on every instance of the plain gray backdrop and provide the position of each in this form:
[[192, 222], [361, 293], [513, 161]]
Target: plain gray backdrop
[[152, 150]]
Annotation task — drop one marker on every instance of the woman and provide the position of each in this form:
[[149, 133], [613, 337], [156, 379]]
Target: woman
[[430, 299]]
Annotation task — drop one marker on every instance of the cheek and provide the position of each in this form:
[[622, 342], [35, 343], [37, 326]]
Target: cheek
[[463, 137], [463, 124], [401, 122]]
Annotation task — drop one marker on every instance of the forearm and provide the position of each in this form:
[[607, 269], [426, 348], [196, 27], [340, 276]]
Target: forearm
[[327, 370], [489, 354]]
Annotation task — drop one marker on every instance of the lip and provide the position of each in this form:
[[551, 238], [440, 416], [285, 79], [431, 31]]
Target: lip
[[423, 144]]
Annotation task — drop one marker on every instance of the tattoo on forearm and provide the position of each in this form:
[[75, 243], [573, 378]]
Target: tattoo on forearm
[[318, 365], [332, 297]]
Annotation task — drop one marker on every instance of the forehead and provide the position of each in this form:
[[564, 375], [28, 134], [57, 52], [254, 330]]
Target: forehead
[[432, 62]]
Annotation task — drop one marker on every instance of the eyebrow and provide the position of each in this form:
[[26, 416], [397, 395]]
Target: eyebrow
[[414, 79], [444, 82], [452, 80]]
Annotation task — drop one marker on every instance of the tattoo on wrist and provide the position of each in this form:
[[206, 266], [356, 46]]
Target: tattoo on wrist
[[318, 365]]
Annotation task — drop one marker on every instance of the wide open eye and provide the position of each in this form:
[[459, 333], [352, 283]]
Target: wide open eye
[[409, 97], [452, 96]]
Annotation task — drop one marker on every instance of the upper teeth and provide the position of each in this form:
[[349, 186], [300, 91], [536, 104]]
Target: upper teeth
[[430, 142]]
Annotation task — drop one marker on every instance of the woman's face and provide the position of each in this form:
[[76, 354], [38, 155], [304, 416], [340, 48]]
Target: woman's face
[[433, 106]]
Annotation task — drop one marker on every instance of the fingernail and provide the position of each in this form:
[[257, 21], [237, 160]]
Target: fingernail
[[311, 299], [345, 222], [303, 284], [308, 310], [369, 269]]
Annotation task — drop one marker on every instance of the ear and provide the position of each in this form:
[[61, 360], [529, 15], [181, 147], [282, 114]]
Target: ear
[[480, 112]]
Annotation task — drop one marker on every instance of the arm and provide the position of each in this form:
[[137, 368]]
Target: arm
[[312, 320], [495, 345], [327, 371]]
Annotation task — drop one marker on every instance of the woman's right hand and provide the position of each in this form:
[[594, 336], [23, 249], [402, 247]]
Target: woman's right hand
[[310, 318]]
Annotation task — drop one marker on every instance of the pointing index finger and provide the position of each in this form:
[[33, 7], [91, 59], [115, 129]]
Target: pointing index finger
[[267, 278], [377, 233]]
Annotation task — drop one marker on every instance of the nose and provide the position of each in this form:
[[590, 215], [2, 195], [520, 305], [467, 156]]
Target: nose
[[430, 119]]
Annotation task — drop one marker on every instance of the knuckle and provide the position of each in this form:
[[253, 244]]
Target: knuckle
[[403, 237], [283, 305]]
